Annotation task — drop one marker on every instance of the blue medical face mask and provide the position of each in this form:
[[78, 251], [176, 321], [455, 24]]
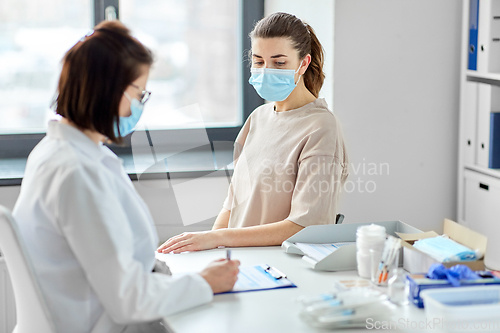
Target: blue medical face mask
[[127, 124], [272, 84]]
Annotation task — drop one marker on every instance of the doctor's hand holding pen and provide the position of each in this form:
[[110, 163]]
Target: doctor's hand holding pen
[[221, 274]]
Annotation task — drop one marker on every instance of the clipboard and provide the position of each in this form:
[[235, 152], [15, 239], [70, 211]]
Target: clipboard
[[260, 277]]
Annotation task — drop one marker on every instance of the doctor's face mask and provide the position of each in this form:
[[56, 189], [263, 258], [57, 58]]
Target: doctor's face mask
[[126, 125]]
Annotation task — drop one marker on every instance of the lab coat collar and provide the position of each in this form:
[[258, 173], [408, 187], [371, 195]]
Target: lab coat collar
[[79, 140]]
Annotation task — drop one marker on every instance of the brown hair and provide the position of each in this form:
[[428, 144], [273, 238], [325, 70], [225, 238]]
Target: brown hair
[[303, 39], [95, 73]]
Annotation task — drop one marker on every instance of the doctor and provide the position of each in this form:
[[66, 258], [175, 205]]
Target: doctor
[[89, 234], [290, 156]]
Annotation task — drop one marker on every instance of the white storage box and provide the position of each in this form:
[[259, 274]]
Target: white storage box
[[482, 212], [481, 209], [464, 309]]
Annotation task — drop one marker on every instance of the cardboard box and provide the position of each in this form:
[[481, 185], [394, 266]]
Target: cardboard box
[[416, 261], [344, 258]]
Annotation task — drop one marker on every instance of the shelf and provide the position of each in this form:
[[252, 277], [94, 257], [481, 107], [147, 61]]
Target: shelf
[[487, 171], [488, 78]]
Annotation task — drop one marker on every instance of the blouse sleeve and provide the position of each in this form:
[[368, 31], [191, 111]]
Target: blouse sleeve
[[314, 199]]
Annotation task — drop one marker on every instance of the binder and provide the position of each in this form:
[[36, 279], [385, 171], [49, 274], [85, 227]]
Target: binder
[[483, 36], [494, 153], [473, 28], [470, 123], [494, 59], [344, 258], [483, 124], [488, 102], [488, 38]]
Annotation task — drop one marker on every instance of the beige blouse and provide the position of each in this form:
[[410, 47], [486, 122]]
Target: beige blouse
[[288, 165]]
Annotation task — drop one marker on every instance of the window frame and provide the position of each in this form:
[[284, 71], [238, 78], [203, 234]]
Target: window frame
[[20, 145]]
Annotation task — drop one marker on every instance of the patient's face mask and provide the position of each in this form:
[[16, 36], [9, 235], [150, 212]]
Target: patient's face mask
[[127, 124], [272, 84]]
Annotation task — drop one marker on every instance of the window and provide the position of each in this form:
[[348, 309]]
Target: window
[[34, 35], [198, 79], [197, 61]]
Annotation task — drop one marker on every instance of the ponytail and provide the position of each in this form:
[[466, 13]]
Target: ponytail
[[303, 39], [314, 75]]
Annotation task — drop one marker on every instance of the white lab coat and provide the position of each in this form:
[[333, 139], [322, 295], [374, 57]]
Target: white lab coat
[[91, 239]]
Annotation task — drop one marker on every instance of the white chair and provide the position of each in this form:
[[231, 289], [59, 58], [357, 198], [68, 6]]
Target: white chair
[[32, 313]]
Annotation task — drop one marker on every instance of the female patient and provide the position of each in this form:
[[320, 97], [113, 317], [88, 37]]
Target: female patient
[[89, 233], [290, 158]]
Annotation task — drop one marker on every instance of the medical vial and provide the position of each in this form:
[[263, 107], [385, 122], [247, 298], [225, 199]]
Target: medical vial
[[396, 287]]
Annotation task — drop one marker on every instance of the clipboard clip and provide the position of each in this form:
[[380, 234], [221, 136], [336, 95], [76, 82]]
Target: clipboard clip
[[274, 272]]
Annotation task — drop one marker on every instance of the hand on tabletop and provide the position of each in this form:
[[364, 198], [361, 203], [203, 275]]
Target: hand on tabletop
[[189, 241]]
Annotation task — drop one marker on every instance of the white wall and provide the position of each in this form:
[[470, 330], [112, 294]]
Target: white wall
[[397, 95], [318, 14], [8, 196], [172, 207]]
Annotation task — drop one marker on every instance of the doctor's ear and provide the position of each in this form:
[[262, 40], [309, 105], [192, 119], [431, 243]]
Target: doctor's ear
[[304, 64]]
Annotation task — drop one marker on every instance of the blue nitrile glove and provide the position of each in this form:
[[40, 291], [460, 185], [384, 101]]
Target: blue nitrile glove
[[464, 272], [439, 272], [453, 274]]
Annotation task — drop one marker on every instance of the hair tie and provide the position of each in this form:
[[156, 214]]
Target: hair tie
[[88, 34]]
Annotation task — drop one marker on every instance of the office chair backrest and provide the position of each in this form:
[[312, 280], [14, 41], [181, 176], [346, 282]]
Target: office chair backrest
[[32, 313]]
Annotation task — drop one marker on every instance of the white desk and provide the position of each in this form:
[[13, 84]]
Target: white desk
[[272, 311]]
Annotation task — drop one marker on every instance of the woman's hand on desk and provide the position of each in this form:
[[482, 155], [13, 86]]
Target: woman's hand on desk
[[259, 235], [190, 241], [221, 274]]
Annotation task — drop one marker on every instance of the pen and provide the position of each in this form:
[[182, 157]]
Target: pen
[[228, 255]]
